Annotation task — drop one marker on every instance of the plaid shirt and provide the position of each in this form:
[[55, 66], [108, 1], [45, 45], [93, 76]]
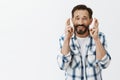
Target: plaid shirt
[[72, 63]]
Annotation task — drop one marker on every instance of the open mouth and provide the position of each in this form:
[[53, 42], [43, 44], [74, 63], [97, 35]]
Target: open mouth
[[81, 27]]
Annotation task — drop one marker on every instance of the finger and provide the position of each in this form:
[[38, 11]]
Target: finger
[[70, 29], [96, 23], [68, 22], [92, 31]]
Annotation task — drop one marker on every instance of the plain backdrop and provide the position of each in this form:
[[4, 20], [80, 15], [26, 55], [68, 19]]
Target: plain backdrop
[[29, 32]]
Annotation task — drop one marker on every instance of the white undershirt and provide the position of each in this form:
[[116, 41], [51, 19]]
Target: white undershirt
[[82, 43]]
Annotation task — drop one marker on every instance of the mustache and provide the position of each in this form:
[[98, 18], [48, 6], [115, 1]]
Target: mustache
[[80, 25]]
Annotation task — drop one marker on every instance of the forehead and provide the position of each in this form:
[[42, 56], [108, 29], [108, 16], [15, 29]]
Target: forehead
[[81, 13]]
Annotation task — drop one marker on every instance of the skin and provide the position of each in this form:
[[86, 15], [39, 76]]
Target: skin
[[82, 17]]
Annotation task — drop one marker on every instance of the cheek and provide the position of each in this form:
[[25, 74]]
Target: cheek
[[86, 23], [74, 22]]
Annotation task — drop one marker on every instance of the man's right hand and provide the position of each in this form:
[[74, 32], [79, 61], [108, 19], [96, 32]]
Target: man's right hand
[[68, 34], [68, 30]]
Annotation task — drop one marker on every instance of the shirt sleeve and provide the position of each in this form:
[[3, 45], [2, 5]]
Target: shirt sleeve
[[63, 60], [105, 61]]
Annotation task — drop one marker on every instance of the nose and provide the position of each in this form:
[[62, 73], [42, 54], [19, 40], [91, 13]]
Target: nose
[[80, 21]]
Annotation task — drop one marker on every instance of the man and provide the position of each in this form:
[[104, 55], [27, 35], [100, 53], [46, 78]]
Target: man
[[83, 52]]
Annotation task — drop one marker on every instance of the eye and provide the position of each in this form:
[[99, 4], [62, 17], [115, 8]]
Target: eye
[[85, 18], [77, 18]]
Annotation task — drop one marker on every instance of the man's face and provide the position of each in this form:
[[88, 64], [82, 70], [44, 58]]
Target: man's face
[[81, 21]]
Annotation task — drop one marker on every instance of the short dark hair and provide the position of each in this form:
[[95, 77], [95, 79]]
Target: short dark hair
[[82, 7]]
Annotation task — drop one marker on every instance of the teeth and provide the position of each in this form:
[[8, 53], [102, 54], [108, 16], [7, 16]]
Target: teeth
[[80, 26]]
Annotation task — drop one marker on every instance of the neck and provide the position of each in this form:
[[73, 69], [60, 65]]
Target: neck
[[83, 35]]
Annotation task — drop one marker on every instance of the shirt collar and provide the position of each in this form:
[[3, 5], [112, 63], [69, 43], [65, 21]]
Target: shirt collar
[[89, 44]]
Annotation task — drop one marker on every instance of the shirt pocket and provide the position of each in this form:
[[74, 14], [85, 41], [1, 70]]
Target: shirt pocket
[[91, 58], [75, 62]]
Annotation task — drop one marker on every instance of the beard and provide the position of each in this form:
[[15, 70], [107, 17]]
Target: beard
[[81, 31]]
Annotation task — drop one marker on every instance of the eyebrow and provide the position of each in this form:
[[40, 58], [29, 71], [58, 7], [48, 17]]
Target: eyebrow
[[83, 16]]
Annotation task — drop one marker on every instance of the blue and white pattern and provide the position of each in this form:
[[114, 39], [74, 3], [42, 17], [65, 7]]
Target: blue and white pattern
[[72, 63]]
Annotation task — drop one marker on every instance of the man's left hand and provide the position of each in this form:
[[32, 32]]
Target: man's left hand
[[94, 30]]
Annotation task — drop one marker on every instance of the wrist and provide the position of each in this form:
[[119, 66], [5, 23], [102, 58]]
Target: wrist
[[97, 40], [67, 38]]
